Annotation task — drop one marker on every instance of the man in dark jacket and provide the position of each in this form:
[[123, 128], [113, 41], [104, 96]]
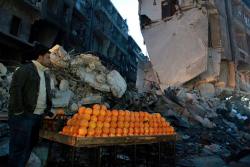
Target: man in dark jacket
[[29, 101]]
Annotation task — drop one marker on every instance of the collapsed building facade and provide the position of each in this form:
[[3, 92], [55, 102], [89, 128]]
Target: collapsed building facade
[[77, 25], [206, 42]]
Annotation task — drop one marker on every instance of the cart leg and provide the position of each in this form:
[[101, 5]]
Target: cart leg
[[73, 157], [98, 156], [159, 154], [134, 158], [49, 154]]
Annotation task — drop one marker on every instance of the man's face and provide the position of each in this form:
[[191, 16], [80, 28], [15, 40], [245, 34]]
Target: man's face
[[45, 60]]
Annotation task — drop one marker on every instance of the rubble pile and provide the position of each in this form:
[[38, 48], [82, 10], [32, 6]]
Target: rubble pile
[[215, 126], [5, 80], [82, 79]]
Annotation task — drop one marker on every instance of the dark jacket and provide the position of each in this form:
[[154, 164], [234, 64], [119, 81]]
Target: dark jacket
[[24, 90]]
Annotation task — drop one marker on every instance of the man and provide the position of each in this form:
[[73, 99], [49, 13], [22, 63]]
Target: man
[[29, 101]]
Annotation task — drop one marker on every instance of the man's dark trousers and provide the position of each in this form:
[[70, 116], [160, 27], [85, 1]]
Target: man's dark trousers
[[24, 134]]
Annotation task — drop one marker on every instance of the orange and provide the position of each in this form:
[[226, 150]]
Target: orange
[[96, 112], [121, 113], [141, 114], [114, 113], [131, 131], [112, 131], [127, 113], [131, 124], [118, 132], [106, 124], [102, 112], [86, 117], [141, 131], [98, 132], [84, 123], [101, 118], [82, 131], [136, 131], [166, 124], [136, 114], [146, 125], [105, 130], [125, 131], [108, 113], [91, 132], [132, 118], [69, 122], [107, 119], [93, 118], [99, 124], [141, 125], [132, 114], [88, 111], [151, 131], [103, 107], [156, 125], [137, 124], [65, 129], [92, 125], [120, 124], [105, 135], [121, 118], [76, 116], [96, 107], [126, 124], [158, 115], [146, 131], [81, 110], [127, 118], [113, 124], [156, 131], [114, 118]]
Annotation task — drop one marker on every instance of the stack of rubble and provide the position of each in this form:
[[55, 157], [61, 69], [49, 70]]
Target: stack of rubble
[[5, 80], [208, 124], [82, 79]]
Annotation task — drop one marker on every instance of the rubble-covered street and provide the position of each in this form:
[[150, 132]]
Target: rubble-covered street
[[180, 98]]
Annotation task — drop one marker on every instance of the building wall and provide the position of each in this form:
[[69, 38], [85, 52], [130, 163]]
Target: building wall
[[77, 25]]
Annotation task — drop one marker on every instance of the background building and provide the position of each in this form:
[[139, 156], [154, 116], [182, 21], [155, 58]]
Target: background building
[[78, 25]]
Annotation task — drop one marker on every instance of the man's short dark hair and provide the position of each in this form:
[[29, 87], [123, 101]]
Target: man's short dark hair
[[40, 49]]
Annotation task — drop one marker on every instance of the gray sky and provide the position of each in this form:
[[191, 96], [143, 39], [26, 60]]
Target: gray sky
[[129, 10]]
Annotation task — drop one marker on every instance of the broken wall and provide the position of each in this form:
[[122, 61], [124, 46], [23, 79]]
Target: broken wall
[[174, 58]]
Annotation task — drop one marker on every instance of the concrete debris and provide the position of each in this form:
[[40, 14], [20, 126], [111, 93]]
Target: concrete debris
[[117, 83], [59, 57], [91, 100], [5, 80], [64, 85], [74, 107], [33, 161], [3, 70], [217, 125], [206, 90], [62, 98], [86, 69]]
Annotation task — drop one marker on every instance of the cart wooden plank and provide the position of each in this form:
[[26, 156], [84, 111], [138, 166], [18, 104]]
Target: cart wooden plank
[[105, 141]]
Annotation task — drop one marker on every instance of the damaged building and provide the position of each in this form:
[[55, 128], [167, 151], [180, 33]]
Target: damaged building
[[78, 25], [219, 53]]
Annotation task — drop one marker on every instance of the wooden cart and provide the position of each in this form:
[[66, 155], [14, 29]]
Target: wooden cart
[[157, 149]]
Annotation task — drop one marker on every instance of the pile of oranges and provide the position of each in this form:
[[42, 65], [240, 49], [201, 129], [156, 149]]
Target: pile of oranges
[[98, 121]]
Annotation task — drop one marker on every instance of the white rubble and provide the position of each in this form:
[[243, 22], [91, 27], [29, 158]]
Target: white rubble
[[117, 83], [85, 69]]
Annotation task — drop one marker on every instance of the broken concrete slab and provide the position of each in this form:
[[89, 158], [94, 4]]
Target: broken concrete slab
[[62, 98], [3, 70], [206, 90], [117, 83], [207, 161]]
